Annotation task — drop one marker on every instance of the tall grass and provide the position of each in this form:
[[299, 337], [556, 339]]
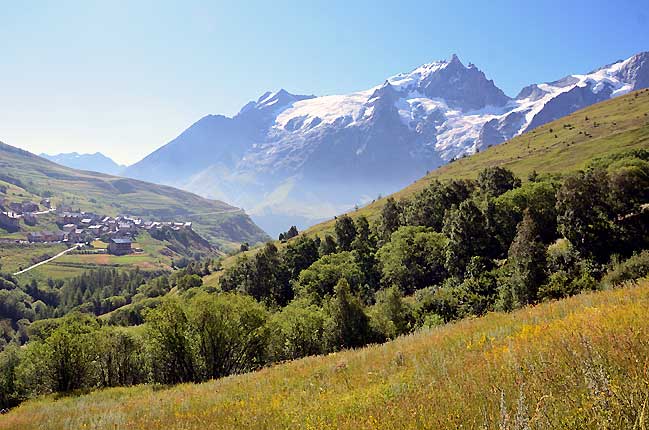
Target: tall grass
[[579, 363]]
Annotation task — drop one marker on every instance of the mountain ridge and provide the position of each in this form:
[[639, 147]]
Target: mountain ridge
[[96, 162], [314, 157]]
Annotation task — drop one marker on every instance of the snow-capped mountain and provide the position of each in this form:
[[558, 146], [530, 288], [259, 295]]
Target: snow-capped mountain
[[96, 162], [296, 159]]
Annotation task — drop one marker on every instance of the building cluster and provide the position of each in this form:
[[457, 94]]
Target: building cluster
[[118, 231], [12, 212], [78, 226]]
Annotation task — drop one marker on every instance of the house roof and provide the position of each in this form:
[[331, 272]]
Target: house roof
[[121, 240]]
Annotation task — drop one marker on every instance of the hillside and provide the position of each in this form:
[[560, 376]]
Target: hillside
[[561, 146], [549, 366], [296, 159], [220, 223]]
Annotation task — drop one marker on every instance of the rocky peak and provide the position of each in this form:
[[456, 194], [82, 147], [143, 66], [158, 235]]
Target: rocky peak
[[462, 87], [635, 70]]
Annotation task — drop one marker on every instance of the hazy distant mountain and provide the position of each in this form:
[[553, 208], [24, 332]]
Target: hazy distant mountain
[[296, 159], [96, 162]]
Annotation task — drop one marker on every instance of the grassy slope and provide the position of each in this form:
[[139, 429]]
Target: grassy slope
[[573, 364], [16, 257], [215, 220], [156, 257], [623, 124]]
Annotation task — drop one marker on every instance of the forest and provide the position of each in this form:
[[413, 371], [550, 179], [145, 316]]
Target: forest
[[457, 249]]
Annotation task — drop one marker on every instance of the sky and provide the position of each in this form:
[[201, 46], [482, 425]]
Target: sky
[[126, 77]]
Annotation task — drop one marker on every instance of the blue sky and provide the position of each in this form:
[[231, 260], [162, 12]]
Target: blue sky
[[126, 77]]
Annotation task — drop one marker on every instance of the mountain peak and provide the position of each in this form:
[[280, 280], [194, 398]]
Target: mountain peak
[[460, 86], [274, 100], [635, 70], [455, 60]]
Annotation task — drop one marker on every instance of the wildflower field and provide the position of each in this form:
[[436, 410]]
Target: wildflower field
[[578, 363]]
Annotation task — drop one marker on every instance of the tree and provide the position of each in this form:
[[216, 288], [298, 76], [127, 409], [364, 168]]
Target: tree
[[465, 228], [296, 331], [189, 281], [390, 218], [120, 357], [271, 278], [171, 347], [71, 353], [539, 198], [300, 254], [527, 259], [413, 259], [230, 333], [628, 192], [496, 180], [319, 280], [479, 288], [345, 232], [583, 214], [628, 184], [239, 275], [9, 361], [291, 233], [156, 287], [364, 248], [391, 316], [327, 246], [347, 324], [264, 277], [428, 207], [444, 302]]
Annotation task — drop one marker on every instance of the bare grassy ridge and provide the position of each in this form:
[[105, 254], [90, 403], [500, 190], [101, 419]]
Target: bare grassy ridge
[[576, 363]]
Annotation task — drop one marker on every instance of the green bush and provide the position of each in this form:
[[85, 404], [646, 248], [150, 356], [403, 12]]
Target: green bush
[[635, 267]]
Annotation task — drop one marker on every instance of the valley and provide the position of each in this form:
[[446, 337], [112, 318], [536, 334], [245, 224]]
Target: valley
[[285, 215]]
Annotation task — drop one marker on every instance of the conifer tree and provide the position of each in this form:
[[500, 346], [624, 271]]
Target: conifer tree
[[348, 325], [527, 259]]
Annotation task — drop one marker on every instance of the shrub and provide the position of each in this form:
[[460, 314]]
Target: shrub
[[634, 268]]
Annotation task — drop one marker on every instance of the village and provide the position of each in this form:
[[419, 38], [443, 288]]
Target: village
[[77, 227]]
